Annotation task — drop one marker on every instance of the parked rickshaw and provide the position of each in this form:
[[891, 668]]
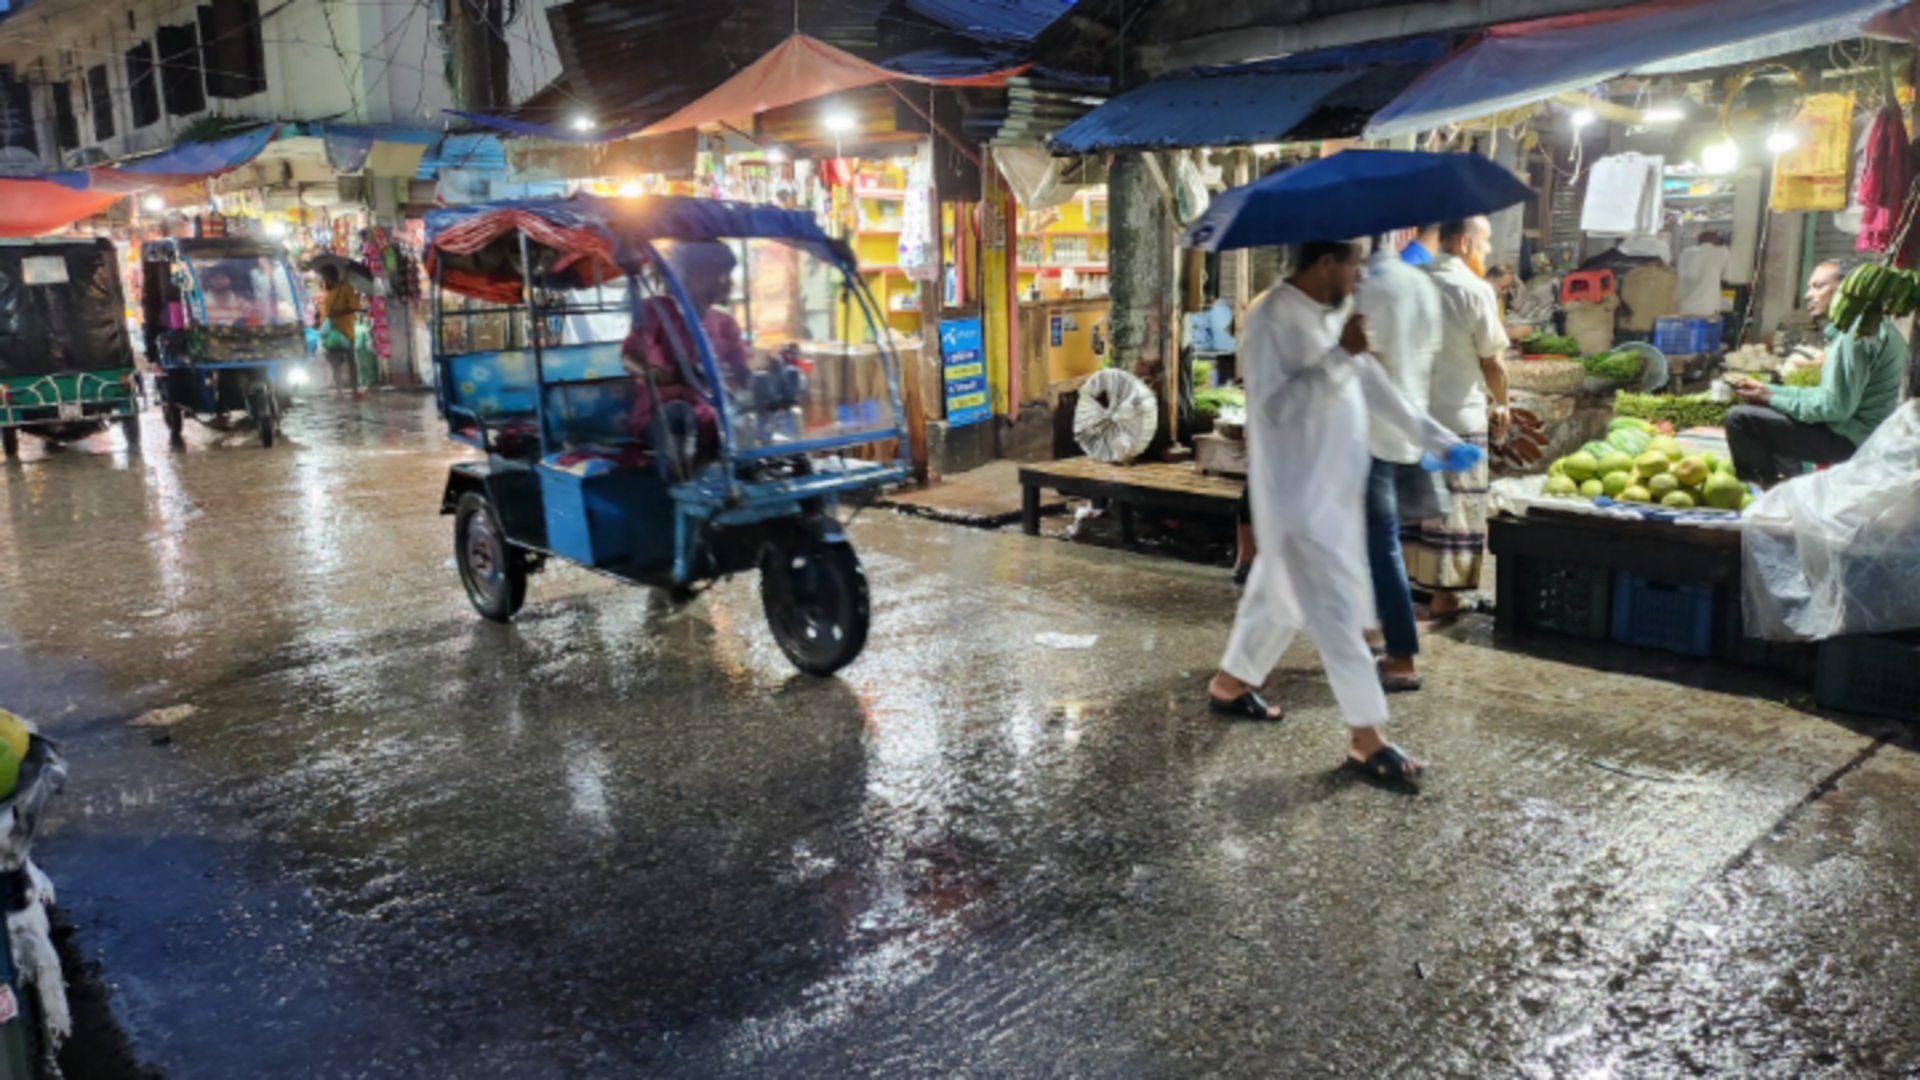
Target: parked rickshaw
[[766, 393], [66, 364], [225, 323]]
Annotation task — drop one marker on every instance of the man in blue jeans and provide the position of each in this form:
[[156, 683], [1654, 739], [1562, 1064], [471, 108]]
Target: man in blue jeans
[[1402, 309]]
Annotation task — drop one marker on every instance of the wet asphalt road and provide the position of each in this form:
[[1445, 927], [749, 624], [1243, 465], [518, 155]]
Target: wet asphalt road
[[379, 837]]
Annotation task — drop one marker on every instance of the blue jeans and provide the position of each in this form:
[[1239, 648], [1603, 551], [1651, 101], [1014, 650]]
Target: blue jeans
[[1392, 596]]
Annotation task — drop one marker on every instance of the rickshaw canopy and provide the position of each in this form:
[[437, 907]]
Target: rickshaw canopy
[[584, 239]]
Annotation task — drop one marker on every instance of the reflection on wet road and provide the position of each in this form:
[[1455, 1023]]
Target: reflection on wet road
[[324, 821]]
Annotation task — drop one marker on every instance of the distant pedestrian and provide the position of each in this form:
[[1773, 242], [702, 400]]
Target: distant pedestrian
[[339, 314], [1402, 309], [1310, 390], [1470, 398]]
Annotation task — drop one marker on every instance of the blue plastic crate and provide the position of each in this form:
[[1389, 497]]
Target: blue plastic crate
[[1656, 615], [1705, 334], [1671, 335]]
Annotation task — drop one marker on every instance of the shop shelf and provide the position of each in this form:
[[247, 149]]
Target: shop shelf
[[1875, 674], [1658, 615], [1563, 597]]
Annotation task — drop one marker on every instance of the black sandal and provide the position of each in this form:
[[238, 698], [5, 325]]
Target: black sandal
[[1388, 763], [1248, 706]]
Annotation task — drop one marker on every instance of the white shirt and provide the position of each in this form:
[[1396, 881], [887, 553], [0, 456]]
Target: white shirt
[[1402, 309], [1702, 268], [1470, 329]]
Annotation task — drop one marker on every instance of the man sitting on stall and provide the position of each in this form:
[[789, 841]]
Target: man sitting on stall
[[1776, 429], [661, 338]]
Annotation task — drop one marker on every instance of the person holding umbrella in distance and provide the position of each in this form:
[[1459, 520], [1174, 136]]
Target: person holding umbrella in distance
[[1312, 389]]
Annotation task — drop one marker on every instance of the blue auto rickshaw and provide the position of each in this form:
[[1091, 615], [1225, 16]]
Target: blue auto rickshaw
[[667, 391], [225, 321]]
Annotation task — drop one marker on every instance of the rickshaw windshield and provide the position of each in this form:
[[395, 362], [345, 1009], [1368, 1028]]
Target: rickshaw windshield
[[245, 290], [795, 346]]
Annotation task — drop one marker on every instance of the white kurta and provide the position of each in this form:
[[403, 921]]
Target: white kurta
[[1309, 404]]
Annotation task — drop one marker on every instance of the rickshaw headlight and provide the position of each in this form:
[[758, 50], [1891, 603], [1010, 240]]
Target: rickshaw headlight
[[297, 377]]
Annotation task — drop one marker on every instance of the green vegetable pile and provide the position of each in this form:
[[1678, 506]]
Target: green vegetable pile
[[1202, 373], [1806, 376], [1549, 345], [1695, 410], [1209, 401], [1615, 366]]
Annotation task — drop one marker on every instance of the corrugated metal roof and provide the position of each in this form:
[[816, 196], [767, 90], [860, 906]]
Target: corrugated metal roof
[[993, 20], [1330, 91], [637, 61]]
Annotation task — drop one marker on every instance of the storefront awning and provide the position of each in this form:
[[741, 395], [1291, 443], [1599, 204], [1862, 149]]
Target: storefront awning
[[1242, 104], [35, 205], [1519, 64], [799, 69]]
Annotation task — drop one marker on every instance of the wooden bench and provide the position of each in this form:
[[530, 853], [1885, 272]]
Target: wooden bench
[[1176, 489]]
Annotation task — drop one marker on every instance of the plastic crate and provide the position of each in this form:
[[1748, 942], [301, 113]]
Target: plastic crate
[[1793, 661], [1564, 597], [1656, 615], [1876, 674], [1706, 334]]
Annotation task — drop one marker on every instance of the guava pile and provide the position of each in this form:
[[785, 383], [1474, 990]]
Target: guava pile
[[1635, 463]]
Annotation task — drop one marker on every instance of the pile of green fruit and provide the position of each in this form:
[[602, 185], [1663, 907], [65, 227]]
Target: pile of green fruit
[[1208, 401], [1871, 293], [1636, 464]]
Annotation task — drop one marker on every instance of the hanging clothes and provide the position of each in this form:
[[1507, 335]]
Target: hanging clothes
[[1884, 180], [1624, 196]]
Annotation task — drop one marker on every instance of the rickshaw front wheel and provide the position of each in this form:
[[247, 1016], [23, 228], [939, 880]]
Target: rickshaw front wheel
[[494, 571], [175, 422], [130, 427], [260, 405], [815, 595], [10, 441]]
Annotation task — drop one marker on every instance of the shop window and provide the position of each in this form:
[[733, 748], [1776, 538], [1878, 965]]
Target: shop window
[[181, 86], [17, 131], [143, 95], [231, 49], [100, 102], [66, 124]]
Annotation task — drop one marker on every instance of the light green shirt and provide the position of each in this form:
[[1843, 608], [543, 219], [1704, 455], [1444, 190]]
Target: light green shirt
[[1859, 384]]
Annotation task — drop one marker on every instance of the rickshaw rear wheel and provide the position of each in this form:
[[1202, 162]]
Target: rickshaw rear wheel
[[815, 595], [493, 571], [10, 442], [130, 427], [175, 422]]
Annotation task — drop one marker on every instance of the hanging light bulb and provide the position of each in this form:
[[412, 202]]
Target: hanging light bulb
[[1663, 114], [1583, 117], [583, 123], [153, 204], [1782, 141]]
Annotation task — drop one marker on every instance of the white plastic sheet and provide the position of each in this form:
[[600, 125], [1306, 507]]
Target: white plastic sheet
[[1116, 417], [1838, 552]]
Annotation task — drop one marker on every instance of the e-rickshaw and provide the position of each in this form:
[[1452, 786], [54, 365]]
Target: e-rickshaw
[[645, 422], [66, 364], [225, 324]]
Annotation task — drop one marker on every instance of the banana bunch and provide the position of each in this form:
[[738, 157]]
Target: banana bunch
[[1871, 293]]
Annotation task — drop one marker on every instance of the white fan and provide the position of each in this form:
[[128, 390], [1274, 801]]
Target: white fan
[[1116, 418]]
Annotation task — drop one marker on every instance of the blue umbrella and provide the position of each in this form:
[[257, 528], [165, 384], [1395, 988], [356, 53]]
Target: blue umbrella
[[1355, 193]]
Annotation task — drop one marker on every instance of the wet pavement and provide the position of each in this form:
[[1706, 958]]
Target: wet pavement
[[323, 821]]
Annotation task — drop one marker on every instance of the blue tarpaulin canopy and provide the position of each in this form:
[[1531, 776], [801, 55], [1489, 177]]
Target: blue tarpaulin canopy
[[1518, 64], [1241, 104]]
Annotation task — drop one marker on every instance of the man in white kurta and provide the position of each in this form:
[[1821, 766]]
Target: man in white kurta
[[1312, 392]]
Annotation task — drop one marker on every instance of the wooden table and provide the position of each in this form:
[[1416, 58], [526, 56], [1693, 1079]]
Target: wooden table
[[1177, 489]]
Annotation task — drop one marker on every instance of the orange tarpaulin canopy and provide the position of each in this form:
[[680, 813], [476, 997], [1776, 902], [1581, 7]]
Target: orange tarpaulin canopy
[[34, 207], [800, 68]]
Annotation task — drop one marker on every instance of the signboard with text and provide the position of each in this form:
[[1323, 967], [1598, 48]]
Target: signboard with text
[[964, 364]]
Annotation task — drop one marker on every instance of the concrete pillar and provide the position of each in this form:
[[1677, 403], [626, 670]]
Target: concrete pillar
[[1779, 284], [1140, 245]]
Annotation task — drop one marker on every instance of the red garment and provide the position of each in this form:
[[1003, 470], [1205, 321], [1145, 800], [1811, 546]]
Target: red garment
[[1885, 179]]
